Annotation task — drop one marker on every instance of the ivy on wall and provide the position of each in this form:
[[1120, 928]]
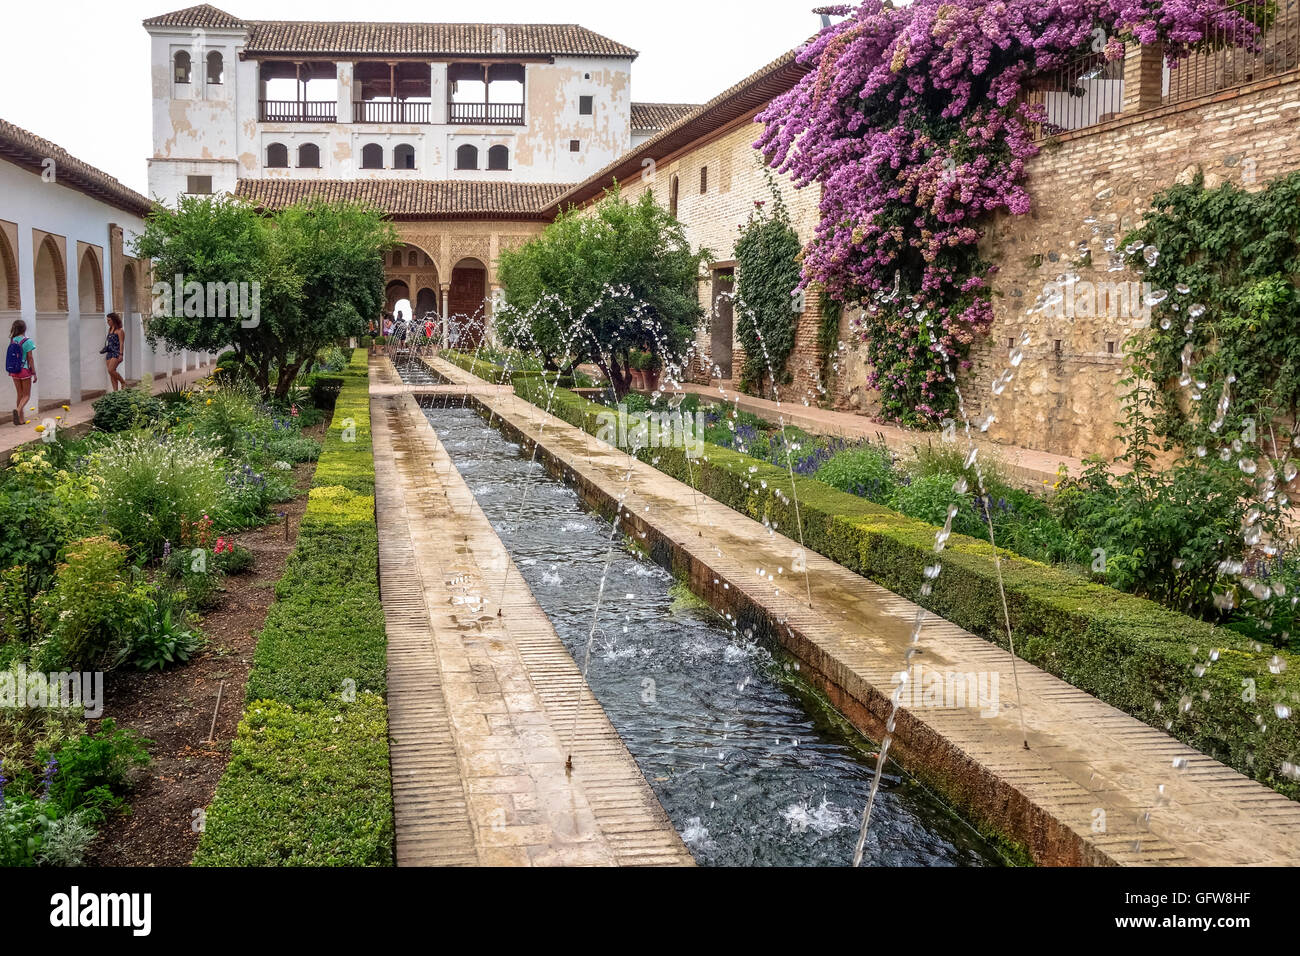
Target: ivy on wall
[[767, 280], [1226, 266]]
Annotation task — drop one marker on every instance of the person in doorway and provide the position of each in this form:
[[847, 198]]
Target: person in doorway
[[20, 363], [112, 351]]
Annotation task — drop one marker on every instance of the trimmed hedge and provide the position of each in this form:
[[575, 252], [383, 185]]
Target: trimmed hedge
[[308, 781], [1130, 652]]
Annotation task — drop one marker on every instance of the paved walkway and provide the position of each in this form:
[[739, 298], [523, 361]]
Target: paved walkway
[[1027, 466], [1085, 756], [78, 415], [484, 709]]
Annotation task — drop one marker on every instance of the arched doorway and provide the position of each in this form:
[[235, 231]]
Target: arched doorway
[[466, 302], [408, 268], [395, 291], [426, 301]]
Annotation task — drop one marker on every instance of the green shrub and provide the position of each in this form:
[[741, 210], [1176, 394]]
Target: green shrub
[[127, 408], [325, 391], [308, 782], [152, 486], [307, 785], [93, 771], [89, 614], [929, 496], [163, 634], [867, 472]]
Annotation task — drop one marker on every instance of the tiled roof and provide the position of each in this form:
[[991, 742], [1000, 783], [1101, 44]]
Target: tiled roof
[[281, 37], [750, 94], [202, 15], [30, 151], [412, 198], [431, 39], [659, 115]]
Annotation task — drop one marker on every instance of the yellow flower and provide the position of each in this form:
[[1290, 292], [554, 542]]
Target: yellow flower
[[66, 408], [40, 428], [208, 402]]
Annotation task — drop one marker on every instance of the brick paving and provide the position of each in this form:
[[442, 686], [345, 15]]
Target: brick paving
[[485, 709], [1084, 756]]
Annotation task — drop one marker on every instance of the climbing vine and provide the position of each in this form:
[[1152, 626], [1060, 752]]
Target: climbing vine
[[767, 277], [913, 120], [1225, 311]]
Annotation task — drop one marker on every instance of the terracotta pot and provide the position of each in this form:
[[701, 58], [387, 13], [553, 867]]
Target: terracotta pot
[[651, 379]]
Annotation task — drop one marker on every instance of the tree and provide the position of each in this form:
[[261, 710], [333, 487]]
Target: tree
[[596, 285], [275, 289]]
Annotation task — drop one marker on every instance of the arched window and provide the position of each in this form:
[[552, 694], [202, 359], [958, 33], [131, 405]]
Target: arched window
[[51, 283], [309, 156], [90, 284], [182, 64], [672, 196], [216, 67], [277, 156], [498, 158], [404, 156], [412, 258], [8, 275], [467, 157], [372, 156]]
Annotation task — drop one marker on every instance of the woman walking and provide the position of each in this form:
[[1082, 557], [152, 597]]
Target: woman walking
[[112, 351], [20, 363]]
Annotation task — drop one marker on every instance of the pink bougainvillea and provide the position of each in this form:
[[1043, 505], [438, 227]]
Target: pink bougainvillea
[[914, 122]]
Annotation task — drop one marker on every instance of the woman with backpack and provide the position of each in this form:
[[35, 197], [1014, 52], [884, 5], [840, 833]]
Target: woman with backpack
[[112, 351], [20, 363]]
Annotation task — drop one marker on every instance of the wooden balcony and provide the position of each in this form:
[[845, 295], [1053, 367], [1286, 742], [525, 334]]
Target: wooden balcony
[[486, 114], [390, 111], [298, 111]]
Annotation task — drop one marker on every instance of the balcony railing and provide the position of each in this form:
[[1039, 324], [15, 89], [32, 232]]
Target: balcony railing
[[1085, 91], [388, 111], [1240, 53], [486, 114], [298, 111]]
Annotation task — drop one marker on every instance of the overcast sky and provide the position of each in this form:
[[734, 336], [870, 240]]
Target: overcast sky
[[77, 71]]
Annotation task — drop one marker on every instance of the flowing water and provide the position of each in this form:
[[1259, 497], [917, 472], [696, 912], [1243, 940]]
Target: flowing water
[[750, 767]]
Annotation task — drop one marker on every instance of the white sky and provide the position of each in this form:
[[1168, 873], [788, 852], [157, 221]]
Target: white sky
[[77, 72]]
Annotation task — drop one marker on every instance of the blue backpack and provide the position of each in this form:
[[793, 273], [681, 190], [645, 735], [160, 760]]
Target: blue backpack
[[15, 358]]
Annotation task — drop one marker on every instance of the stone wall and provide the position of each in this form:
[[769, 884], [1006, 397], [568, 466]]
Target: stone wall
[[1066, 396]]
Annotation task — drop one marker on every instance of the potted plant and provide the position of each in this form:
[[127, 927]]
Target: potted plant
[[636, 368], [650, 368]]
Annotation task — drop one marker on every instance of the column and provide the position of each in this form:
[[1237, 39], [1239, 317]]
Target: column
[[1144, 70], [445, 289]]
